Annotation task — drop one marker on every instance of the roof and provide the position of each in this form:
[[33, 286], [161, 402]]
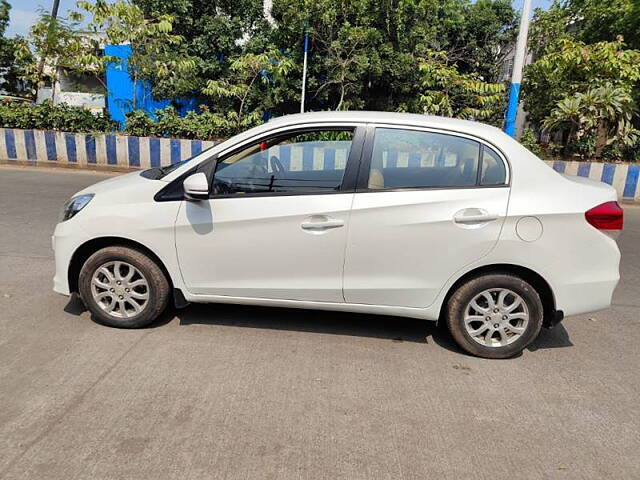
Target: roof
[[394, 118]]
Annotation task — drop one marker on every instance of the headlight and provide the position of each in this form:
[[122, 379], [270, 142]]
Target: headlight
[[74, 205]]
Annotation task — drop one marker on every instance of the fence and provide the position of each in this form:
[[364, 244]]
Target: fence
[[45, 147]]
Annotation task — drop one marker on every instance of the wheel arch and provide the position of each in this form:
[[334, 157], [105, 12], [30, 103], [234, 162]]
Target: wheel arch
[[84, 251], [536, 280]]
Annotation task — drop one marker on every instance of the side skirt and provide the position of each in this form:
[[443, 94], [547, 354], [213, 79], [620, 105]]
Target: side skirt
[[409, 312]]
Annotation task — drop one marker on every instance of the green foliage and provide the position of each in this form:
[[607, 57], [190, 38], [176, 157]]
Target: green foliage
[[447, 92], [157, 52], [364, 53], [52, 44], [587, 56], [596, 118], [253, 77], [589, 21], [45, 116], [575, 67], [212, 32], [11, 80], [597, 20], [205, 126], [529, 141]]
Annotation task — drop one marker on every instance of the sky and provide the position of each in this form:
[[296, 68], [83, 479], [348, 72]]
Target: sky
[[24, 13]]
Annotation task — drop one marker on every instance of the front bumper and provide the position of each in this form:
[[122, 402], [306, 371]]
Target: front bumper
[[64, 245]]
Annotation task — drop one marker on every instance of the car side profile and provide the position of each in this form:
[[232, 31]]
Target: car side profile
[[371, 212]]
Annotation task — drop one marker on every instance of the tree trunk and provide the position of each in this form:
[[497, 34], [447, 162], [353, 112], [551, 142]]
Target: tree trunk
[[135, 92], [572, 133], [54, 80], [601, 139]]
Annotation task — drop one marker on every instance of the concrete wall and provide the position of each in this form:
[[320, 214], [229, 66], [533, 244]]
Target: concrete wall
[[45, 147], [624, 177]]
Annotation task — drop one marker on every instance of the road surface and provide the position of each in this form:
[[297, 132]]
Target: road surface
[[228, 392]]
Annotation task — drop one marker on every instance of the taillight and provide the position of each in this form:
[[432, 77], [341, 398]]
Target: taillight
[[606, 216]]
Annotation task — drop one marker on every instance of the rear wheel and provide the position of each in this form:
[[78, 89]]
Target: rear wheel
[[495, 316], [123, 287]]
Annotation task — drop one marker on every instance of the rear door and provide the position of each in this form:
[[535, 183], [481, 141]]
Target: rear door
[[428, 203]]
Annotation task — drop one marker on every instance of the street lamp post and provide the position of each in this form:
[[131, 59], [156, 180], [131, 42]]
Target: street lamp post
[[518, 65], [304, 68]]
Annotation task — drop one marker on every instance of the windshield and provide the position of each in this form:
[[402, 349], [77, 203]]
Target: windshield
[[170, 168], [157, 173]]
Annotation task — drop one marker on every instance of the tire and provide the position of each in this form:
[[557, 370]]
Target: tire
[[497, 331], [113, 303]]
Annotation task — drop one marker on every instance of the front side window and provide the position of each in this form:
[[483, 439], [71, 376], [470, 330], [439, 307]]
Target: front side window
[[306, 162], [413, 159]]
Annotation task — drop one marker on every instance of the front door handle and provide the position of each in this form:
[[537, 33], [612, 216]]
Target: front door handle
[[470, 216], [321, 223]]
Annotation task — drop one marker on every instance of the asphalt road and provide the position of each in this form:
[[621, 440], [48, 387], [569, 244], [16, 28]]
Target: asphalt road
[[237, 392]]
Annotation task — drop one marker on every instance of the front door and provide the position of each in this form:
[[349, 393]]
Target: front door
[[429, 204], [276, 222]]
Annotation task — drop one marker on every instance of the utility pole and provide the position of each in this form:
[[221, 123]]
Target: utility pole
[[518, 65], [54, 10], [304, 67]]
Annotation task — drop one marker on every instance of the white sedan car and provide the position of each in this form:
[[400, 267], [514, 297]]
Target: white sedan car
[[370, 212]]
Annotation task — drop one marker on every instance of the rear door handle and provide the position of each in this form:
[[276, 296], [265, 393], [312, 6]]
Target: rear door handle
[[470, 216], [320, 223]]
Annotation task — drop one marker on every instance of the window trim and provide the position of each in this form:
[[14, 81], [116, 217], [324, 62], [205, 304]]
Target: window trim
[[365, 162], [351, 171]]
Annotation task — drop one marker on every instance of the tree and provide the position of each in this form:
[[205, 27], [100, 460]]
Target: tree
[[589, 21], [445, 91], [212, 32], [156, 50], [53, 44], [11, 80], [374, 47], [575, 67], [597, 21], [602, 115], [250, 73]]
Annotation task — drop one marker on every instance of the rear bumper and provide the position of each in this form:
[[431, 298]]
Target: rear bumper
[[585, 297]]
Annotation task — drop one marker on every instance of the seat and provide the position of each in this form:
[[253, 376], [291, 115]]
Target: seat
[[376, 177]]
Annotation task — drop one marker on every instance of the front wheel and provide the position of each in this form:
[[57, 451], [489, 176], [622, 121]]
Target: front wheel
[[123, 287], [495, 315]]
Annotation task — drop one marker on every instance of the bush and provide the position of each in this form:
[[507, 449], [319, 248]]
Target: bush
[[626, 153], [46, 116], [529, 141], [206, 125], [584, 146]]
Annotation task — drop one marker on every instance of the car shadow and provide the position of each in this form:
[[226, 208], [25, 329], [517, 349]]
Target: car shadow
[[396, 329], [74, 305], [556, 337]]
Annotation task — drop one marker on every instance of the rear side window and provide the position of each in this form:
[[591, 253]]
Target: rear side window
[[308, 162], [412, 159], [493, 169]]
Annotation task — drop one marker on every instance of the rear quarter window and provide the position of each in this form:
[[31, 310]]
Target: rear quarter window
[[494, 171]]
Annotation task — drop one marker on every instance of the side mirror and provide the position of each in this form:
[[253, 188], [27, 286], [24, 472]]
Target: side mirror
[[196, 187]]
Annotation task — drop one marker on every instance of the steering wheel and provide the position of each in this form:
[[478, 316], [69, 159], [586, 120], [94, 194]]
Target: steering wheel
[[276, 164], [223, 187]]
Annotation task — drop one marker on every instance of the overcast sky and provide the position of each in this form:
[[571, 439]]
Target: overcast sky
[[25, 12]]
